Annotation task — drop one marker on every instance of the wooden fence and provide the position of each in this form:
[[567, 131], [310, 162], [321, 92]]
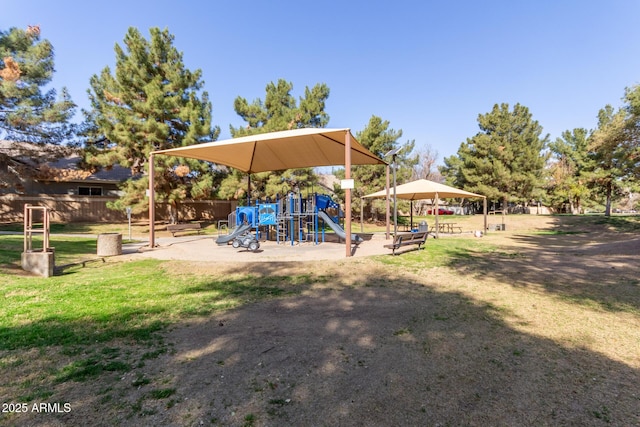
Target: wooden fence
[[73, 208]]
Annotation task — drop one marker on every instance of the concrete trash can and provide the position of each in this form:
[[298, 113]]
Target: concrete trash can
[[423, 226], [109, 244]]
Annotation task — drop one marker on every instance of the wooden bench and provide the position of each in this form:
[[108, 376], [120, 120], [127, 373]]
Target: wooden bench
[[404, 239], [175, 228]]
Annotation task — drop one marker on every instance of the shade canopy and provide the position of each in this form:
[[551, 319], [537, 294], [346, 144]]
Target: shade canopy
[[424, 189], [290, 149]]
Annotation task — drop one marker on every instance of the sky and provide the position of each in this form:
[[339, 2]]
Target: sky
[[428, 67]]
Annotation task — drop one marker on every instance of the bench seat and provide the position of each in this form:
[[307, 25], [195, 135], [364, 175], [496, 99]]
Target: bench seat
[[175, 228], [405, 239]]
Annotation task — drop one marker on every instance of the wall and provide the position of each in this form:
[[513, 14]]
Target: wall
[[73, 208]]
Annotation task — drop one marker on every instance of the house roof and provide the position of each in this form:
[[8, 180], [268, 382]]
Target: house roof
[[63, 169]]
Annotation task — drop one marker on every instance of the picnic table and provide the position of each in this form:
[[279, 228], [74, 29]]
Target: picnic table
[[448, 227]]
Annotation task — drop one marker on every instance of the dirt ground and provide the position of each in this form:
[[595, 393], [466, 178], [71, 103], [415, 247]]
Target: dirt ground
[[544, 331]]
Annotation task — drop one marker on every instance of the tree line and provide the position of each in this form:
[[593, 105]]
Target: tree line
[[511, 161], [151, 101]]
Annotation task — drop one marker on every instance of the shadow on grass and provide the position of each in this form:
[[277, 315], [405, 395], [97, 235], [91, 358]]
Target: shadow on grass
[[67, 249], [63, 331], [590, 260], [113, 309], [386, 352]]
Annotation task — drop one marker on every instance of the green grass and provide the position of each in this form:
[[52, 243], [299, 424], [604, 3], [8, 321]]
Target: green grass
[[92, 228], [67, 249], [438, 253], [71, 228], [92, 317], [163, 393], [114, 300], [83, 369]]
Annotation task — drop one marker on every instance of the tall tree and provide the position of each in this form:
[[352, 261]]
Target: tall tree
[[379, 138], [151, 102], [632, 107], [569, 172], [36, 117], [279, 111], [614, 154], [426, 166], [505, 160]]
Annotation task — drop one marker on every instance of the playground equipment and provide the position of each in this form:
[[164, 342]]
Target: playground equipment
[[246, 240], [236, 232], [291, 219]]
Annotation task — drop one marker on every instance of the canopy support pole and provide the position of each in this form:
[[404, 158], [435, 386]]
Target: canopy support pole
[[484, 210], [152, 204], [248, 188], [388, 207], [411, 215], [347, 192], [437, 217]]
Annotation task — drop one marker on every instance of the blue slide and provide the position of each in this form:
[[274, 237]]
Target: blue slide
[[238, 231], [336, 227]]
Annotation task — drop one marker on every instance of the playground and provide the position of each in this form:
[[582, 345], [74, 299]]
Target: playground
[[291, 220], [204, 248]]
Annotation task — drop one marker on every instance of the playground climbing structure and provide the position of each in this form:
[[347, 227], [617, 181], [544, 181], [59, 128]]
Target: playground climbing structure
[[291, 219]]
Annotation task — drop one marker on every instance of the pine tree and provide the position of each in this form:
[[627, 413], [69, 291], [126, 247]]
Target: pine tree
[[38, 119], [615, 155], [569, 173], [505, 160], [151, 102], [279, 111], [378, 138], [632, 107]]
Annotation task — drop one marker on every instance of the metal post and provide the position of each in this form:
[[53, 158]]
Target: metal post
[[27, 228], [347, 192], [437, 210], [388, 211], [484, 212], [128, 210], [152, 202], [393, 153], [395, 198]]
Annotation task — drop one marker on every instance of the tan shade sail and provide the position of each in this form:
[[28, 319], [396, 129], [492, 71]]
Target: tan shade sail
[[291, 149], [424, 189]]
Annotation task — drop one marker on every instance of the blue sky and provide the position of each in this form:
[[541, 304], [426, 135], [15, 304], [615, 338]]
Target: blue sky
[[428, 67]]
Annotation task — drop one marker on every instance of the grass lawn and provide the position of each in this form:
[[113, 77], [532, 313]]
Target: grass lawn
[[484, 309]]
